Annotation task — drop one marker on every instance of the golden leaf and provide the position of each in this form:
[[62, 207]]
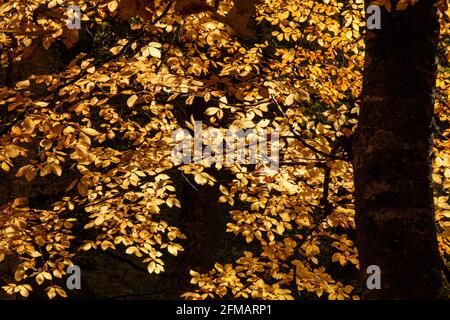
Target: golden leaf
[[132, 100], [23, 84]]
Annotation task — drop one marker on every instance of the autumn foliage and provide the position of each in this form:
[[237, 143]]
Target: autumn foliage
[[99, 126]]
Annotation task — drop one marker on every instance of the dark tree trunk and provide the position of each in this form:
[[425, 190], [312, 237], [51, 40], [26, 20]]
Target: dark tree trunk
[[200, 223], [393, 153], [200, 219]]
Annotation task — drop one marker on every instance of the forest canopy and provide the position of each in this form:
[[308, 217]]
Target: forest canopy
[[88, 123]]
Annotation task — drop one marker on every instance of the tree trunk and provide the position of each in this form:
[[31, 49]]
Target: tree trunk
[[393, 154], [200, 219]]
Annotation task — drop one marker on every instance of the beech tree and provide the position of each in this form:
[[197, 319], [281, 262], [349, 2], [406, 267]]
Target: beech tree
[[89, 119]]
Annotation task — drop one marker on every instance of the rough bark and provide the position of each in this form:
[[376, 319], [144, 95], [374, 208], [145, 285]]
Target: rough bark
[[393, 154]]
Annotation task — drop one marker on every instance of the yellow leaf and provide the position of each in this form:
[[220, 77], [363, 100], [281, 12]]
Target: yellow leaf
[[349, 35], [5, 166], [131, 250], [200, 179], [28, 126], [27, 42], [106, 245], [151, 267], [51, 293], [112, 6], [289, 99], [61, 292], [81, 150], [103, 78], [86, 246], [90, 131], [19, 274], [23, 84], [285, 216], [155, 44], [173, 201], [23, 170], [23, 291], [211, 111], [280, 228], [132, 100], [99, 220], [194, 274], [173, 249], [154, 52], [40, 278], [56, 168]]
